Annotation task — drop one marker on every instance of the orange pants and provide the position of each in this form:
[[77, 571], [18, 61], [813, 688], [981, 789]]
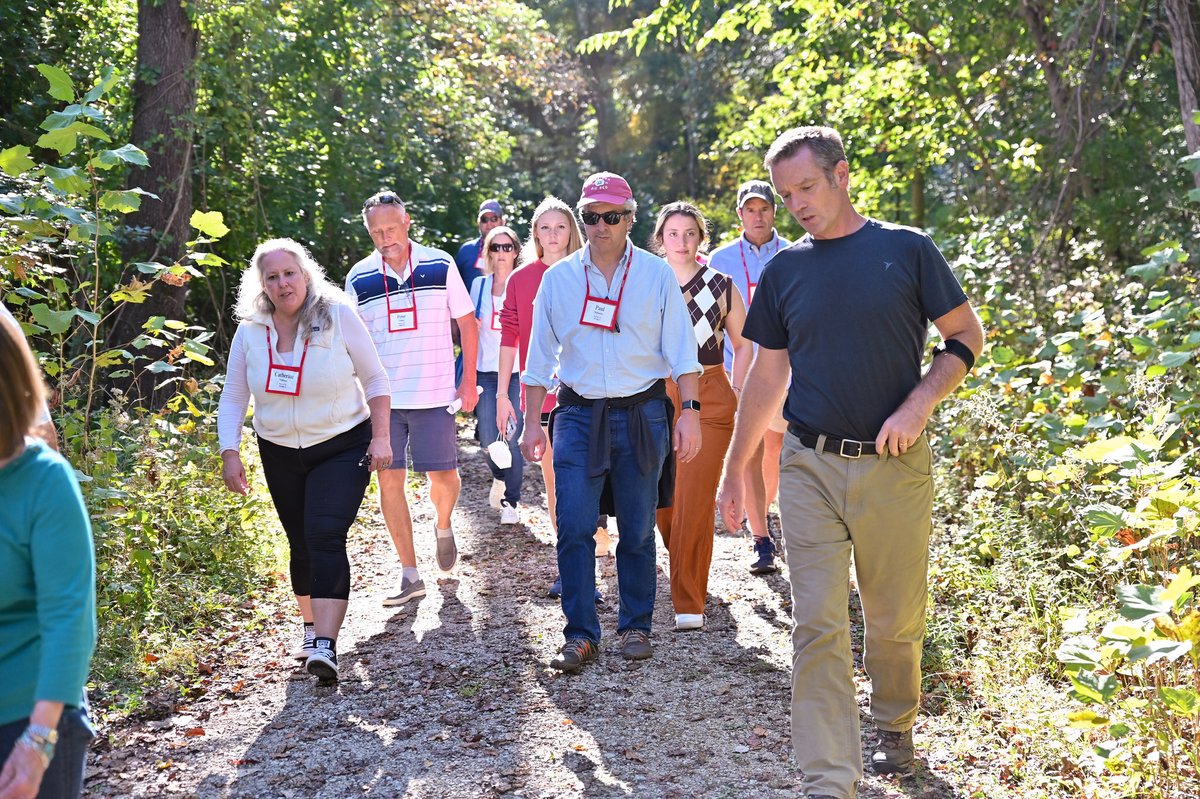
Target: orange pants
[[688, 526]]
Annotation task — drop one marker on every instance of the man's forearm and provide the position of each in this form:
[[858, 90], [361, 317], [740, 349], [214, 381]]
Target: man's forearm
[[945, 374]]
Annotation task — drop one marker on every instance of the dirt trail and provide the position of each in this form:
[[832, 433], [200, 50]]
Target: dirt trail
[[452, 697]]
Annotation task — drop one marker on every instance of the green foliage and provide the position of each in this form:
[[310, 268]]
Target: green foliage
[[176, 553]]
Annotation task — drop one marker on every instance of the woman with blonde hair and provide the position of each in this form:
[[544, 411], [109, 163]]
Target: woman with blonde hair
[[48, 601], [501, 248], [322, 405]]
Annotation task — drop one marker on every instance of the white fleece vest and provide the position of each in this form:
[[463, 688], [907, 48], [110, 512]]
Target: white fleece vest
[[330, 402]]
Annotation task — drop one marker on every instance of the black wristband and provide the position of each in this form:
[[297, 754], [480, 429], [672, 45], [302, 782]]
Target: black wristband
[[958, 350]]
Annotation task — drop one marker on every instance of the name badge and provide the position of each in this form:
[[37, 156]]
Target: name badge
[[495, 320], [599, 312], [402, 320], [283, 380]]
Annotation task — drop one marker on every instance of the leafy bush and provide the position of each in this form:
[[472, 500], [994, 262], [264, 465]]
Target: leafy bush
[[176, 553]]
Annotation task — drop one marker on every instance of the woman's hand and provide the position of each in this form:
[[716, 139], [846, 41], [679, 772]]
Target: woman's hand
[[22, 774], [505, 414], [233, 472], [379, 453]]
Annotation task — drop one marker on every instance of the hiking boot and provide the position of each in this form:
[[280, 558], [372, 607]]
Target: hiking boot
[[555, 591], [576, 652], [765, 548], [322, 664], [893, 753], [409, 589], [508, 514], [447, 551], [307, 647], [635, 645], [496, 494]]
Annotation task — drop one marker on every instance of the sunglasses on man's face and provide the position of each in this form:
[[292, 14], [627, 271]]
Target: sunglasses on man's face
[[487, 220], [611, 218], [498, 247]]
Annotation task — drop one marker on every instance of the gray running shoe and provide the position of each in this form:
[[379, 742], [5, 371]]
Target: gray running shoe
[[409, 589], [447, 551]]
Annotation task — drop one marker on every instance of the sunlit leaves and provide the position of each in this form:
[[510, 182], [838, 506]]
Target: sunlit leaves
[[61, 86], [209, 223], [16, 160]]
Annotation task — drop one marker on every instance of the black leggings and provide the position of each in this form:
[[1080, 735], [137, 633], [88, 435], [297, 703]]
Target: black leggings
[[317, 491]]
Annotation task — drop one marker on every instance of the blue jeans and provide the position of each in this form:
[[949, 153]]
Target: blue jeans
[[635, 494], [485, 411], [64, 778]]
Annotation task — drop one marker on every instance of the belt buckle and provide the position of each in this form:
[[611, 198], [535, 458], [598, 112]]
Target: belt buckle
[[844, 454]]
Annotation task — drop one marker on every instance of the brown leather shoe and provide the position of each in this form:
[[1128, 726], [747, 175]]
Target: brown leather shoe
[[576, 653], [635, 645]]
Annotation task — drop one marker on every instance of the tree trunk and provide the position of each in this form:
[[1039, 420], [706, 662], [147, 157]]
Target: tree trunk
[[1183, 23], [918, 197], [164, 102]]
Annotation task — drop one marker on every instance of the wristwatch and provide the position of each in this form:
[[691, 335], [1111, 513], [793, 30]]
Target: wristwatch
[[691, 405], [41, 740]]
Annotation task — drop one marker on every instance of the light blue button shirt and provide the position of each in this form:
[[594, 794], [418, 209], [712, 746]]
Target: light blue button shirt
[[655, 338], [728, 261]]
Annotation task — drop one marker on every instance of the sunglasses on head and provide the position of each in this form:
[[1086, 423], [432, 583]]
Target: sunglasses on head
[[383, 199], [487, 220], [496, 246], [611, 218]]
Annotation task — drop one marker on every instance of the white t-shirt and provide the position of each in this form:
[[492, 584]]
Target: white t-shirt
[[420, 360], [487, 311]]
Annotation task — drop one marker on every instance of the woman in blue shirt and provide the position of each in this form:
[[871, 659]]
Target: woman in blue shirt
[[47, 594]]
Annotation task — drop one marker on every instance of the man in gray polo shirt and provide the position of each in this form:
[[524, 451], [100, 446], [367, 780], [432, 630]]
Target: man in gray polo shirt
[[847, 308]]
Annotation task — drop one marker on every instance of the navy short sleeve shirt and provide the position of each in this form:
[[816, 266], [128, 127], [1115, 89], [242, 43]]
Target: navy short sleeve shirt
[[853, 314]]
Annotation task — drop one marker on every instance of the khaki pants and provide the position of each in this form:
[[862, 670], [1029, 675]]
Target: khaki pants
[[881, 507], [687, 527]]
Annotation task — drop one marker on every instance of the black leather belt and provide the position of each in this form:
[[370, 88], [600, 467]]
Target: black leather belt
[[846, 447]]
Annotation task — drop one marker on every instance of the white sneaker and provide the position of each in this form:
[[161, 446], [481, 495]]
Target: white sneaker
[[496, 494], [689, 621], [307, 647], [508, 514]]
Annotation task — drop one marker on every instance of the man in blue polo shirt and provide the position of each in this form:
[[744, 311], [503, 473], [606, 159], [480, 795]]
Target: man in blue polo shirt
[[469, 258], [744, 259], [845, 311]]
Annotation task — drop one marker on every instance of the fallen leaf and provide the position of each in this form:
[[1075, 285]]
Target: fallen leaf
[[204, 668], [632, 754], [194, 732], [150, 658]]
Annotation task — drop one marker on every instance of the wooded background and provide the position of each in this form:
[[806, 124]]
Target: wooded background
[[1049, 148]]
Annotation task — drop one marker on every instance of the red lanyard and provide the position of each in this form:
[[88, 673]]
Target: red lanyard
[[601, 311], [403, 321], [283, 379], [742, 251]]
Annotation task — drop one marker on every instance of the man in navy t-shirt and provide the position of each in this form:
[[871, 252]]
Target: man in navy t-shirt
[[847, 310]]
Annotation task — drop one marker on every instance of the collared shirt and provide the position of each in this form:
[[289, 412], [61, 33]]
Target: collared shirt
[[728, 260], [655, 338], [420, 363]]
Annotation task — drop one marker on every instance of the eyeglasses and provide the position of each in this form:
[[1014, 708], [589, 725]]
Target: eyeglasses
[[611, 218], [382, 199], [487, 220], [498, 247]]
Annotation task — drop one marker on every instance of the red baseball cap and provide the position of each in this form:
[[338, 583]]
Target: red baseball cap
[[605, 187]]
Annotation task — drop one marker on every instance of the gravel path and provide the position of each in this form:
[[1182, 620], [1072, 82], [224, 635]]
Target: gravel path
[[452, 697]]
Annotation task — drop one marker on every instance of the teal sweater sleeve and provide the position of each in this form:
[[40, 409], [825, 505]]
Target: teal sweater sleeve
[[64, 579]]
